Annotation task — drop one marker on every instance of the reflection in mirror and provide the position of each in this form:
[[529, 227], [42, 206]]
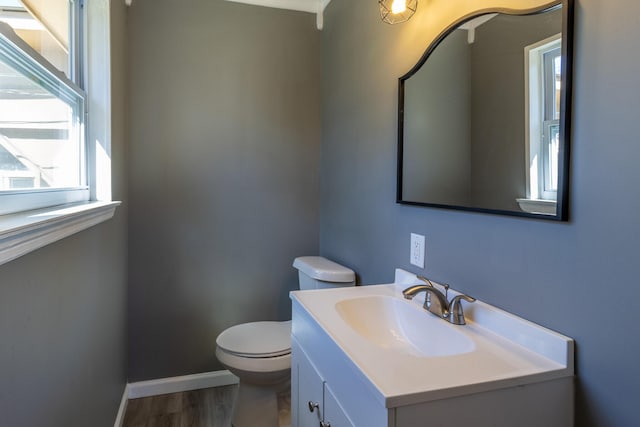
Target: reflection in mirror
[[482, 122]]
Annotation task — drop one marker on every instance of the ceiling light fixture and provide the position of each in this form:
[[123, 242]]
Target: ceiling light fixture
[[397, 11]]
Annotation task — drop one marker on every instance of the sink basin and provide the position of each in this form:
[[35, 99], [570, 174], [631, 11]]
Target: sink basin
[[396, 324]]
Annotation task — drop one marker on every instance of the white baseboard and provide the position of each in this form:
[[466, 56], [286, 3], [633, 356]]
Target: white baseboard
[[123, 408], [179, 384]]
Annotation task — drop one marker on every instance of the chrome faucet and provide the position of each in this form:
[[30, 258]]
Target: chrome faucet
[[436, 302]]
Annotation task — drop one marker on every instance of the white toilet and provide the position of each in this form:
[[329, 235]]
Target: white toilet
[[259, 353]]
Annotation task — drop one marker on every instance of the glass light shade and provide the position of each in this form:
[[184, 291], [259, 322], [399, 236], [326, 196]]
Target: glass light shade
[[396, 11]]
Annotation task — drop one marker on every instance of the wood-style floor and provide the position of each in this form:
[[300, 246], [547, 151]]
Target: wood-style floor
[[199, 408]]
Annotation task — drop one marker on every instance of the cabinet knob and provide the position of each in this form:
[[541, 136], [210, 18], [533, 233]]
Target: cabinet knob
[[313, 406], [325, 424]]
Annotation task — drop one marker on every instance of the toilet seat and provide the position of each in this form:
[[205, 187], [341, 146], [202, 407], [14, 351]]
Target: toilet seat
[[256, 340], [251, 366]]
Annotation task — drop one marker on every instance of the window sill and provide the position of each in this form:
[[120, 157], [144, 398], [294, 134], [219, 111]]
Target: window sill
[[24, 232], [538, 206]]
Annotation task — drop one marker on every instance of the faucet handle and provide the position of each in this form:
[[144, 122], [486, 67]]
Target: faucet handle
[[456, 314], [430, 283]]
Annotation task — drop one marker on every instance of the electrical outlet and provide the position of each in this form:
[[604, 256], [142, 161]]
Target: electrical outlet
[[416, 256]]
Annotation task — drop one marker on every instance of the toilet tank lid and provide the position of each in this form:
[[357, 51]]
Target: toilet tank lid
[[321, 268]]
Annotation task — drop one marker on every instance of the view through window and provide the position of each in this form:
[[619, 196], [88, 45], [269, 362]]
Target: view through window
[[41, 109]]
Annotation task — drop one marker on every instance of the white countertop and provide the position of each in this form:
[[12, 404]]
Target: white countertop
[[508, 350]]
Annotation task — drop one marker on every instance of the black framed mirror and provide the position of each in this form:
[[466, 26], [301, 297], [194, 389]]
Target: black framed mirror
[[484, 116]]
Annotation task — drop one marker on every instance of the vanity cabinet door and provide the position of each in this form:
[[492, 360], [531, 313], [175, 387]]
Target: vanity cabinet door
[[308, 399], [313, 404], [334, 415]]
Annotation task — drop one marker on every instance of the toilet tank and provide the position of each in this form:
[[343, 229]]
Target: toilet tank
[[315, 272]]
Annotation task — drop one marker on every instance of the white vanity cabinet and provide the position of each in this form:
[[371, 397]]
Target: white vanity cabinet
[[321, 373], [313, 401], [514, 373]]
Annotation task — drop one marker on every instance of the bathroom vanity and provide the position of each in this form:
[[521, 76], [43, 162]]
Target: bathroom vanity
[[366, 357]]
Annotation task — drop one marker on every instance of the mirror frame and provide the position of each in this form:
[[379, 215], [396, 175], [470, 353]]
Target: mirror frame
[[562, 202]]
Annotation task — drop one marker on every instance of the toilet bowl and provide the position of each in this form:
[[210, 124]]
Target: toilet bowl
[[259, 353]]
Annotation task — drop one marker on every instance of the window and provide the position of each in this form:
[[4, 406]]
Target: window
[[552, 79], [55, 158], [543, 71], [42, 110]]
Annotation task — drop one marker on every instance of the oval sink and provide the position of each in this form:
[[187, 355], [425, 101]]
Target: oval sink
[[395, 324]]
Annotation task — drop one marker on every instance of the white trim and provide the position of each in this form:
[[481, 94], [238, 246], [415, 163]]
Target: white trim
[[24, 201], [122, 410], [471, 26], [538, 206], [311, 6], [180, 384], [24, 232], [98, 85]]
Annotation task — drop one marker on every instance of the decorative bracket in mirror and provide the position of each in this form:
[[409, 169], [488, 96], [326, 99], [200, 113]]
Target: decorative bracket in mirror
[[484, 117]]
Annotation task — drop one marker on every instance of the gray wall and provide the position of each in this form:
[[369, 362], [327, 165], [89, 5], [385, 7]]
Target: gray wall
[[63, 308], [224, 173], [579, 278]]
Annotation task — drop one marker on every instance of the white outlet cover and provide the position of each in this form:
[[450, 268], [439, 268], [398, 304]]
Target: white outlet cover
[[417, 252]]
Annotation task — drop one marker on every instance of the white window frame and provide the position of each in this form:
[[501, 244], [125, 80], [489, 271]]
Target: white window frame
[[538, 198], [30, 63], [52, 217], [544, 186]]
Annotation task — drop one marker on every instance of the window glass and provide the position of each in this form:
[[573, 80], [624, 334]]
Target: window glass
[[43, 153], [552, 145], [40, 130], [552, 63], [44, 25], [557, 77]]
